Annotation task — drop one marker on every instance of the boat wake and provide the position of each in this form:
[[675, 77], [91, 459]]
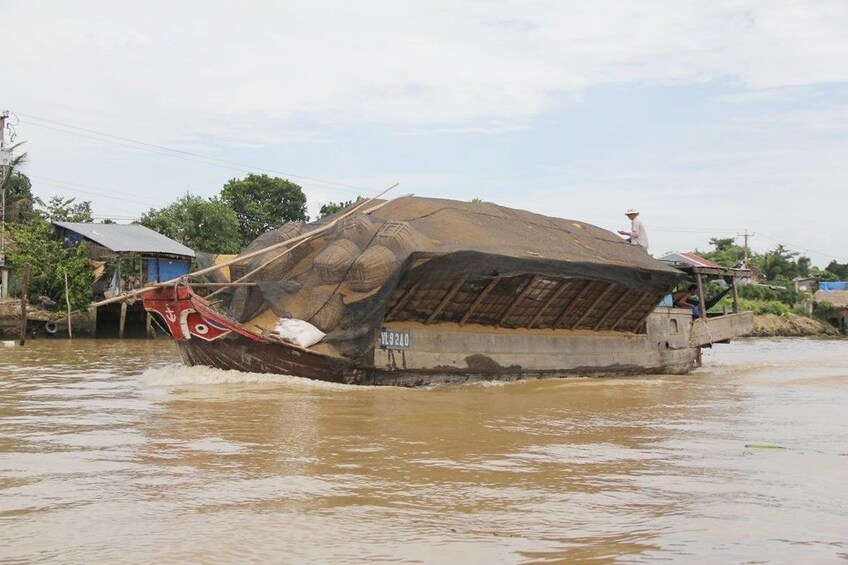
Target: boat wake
[[181, 375]]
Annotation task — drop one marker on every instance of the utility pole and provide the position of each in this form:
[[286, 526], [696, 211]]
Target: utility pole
[[5, 161], [746, 235]]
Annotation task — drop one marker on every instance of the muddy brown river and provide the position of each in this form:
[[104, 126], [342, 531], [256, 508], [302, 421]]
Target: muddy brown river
[[112, 452]]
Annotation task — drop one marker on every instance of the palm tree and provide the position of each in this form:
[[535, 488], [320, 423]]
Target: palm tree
[[16, 196]]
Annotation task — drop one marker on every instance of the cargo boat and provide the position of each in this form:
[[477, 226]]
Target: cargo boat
[[417, 291]]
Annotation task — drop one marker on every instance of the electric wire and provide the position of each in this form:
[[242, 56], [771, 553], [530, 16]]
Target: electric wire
[[179, 153]]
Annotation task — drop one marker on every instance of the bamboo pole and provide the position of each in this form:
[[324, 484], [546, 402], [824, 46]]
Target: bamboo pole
[[281, 254], [241, 258], [238, 281]]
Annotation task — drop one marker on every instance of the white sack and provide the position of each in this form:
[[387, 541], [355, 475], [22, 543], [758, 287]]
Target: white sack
[[298, 332]]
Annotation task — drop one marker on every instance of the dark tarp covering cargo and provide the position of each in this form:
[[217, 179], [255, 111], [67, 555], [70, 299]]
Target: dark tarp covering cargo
[[433, 260]]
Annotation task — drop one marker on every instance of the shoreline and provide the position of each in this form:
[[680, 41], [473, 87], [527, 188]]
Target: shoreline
[[765, 325], [772, 325]]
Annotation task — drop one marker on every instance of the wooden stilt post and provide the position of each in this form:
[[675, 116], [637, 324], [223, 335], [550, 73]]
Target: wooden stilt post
[[735, 296], [123, 321], [700, 280], [92, 312], [68, 304], [24, 286]]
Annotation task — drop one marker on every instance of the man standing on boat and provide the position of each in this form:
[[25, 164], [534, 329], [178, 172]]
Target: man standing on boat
[[637, 234]]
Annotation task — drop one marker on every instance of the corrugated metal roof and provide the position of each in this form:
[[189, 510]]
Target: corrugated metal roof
[[128, 238], [689, 259]]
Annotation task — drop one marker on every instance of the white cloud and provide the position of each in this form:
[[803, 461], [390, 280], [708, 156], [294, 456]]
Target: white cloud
[[166, 70], [325, 88]]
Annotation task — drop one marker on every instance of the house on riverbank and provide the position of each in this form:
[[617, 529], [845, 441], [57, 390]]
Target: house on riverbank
[[123, 258], [836, 295]]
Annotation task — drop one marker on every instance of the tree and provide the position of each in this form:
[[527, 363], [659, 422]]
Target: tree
[[726, 252], [777, 265], [17, 187], [19, 199], [203, 225], [331, 208], [263, 203], [805, 265], [49, 260], [840, 270], [68, 210]]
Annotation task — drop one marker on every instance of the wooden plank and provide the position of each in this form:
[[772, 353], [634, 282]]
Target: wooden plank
[[719, 328], [629, 311], [610, 310], [594, 303], [572, 303], [480, 297], [521, 296], [699, 278], [642, 320], [448, 297], [554, 295], [402, 300]]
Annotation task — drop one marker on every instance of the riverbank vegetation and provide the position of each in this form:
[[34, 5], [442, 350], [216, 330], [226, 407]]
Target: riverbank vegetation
[[779, 308]]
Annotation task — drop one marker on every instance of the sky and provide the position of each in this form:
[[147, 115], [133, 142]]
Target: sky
[[713, 118]]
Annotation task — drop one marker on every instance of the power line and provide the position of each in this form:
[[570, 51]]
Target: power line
[[800, 248], [179, 153], [73, 186]]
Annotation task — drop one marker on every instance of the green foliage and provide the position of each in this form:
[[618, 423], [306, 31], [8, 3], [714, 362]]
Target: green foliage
[[203, 225], [49, 260], [765, 307], [801, 309], [804, 265], [263, 203], [776, 265], [60, 209], [726, 253], [786, 295], [19, 198], [840, 270], [331, 208], [823, 275], [476, 200]]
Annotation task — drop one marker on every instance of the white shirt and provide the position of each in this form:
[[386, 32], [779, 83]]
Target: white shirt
[[638, 235]]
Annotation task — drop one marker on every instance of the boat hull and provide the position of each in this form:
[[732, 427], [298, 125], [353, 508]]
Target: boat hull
[[415, 354], [450, 355]]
